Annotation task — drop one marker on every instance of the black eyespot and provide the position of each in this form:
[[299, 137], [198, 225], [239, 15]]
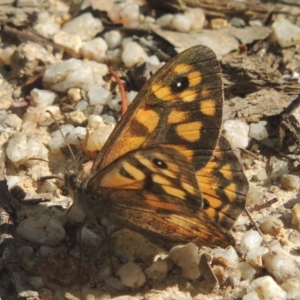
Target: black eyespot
[[64, 191], [180, 84], [160, 163]]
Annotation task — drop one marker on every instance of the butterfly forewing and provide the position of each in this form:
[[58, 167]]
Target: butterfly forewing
[[180, 106]]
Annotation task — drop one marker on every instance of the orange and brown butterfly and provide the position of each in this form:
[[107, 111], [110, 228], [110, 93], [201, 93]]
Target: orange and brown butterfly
[[165, 171]]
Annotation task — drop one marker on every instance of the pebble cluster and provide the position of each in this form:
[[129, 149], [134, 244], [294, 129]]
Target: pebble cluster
[[78, 95]]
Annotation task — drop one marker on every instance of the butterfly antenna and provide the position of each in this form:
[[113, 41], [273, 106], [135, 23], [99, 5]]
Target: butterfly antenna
[[124, 103], [58, 127]]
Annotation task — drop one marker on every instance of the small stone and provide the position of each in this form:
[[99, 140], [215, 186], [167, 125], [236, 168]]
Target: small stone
[[29, 58], [164, 20], [247, 271], [279, 168], [97, 139], [13, 121], [218, 23], [286, 33], [133, 54], [197, 17], [267, 288], [237, 22], [272, 226], [228, 254], [261, 176], [236, 132], [113, 39], [42, 97], [258, 131], [40, 115], [181, 23], [99, 95], [296, 215], [85, 26], [95, 49], [57, 140], [187, 257], [6, 52], [77, 136], [131, 275], [74, 73], [158, 270], [82, 105], [290, 182], [125, 13], [254, 196], [42, 230], [292, 287], [45, 26], [251, 296], [76, 117], [281, 264], [131, 246], [36, 282], [115, 283], [21, 149], [71, 41], [74, 95], [251, 239]]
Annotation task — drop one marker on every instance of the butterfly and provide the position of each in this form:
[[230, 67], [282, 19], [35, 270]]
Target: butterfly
[[165, 171]]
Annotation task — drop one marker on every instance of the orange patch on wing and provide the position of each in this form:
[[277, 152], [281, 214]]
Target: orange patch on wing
[[149, 118], [231, 191], [195, 78], [190, 132], [177, 116], [182, 68], [188, 95], [208, 107], [226, 171]]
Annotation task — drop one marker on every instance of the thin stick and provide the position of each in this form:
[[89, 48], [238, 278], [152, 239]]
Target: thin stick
[[256, 227]]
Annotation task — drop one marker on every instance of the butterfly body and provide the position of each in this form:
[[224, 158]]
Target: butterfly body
[[165, 170]]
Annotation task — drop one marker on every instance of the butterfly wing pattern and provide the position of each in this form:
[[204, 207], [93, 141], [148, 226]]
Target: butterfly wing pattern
[[165, 170]]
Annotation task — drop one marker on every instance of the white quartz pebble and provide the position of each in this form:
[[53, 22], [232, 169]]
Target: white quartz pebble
[[197, 17], [21, 148], [86, 26], [131, 275], [77, 136], [258, 131], [94, 49], [99, 95], [113, 38], [286, 33], [236, 132], [181, 23], [13, 121], [266, 288], [43, 97], [187, 257], [158, 270], [74, 73], [125, 13], [133, 54], [42, 230], [281, 264], [251, 239], [71, 41]]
